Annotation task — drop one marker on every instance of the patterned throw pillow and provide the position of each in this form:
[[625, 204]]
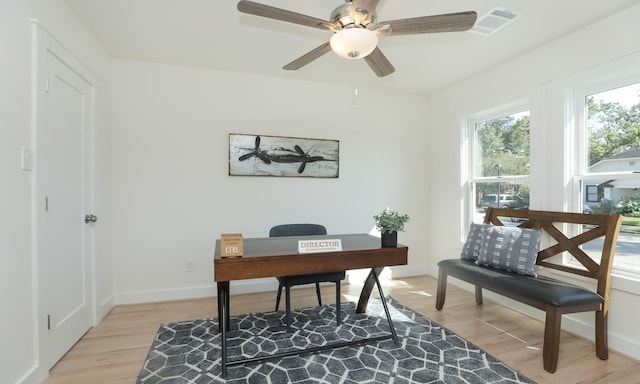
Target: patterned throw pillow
[[471, 248], [510, 248]]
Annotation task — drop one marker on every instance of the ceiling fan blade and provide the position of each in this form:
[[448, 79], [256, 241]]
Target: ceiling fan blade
[[362, 10], [270, 12], [450, 22], [379, 63], [308, 57]]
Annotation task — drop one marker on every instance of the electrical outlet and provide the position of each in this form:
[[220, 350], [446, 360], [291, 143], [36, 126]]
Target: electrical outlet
[[188, 265]]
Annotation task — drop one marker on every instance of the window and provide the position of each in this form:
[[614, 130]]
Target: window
[[607, 169], [498, 161], [593, 194]]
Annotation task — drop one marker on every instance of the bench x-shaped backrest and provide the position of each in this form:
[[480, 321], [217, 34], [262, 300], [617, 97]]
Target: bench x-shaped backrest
[[594, 226]]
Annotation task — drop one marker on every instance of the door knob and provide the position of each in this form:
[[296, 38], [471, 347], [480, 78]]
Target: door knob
[[90, 219]]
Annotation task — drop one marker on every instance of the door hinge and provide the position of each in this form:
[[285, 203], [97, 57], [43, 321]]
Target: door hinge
[[46, 203], [46, 84], [48, 322]]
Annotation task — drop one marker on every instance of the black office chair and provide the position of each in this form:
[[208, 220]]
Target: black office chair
[[289, 281]]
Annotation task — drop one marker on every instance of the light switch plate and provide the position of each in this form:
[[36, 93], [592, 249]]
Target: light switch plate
[[27, 159]]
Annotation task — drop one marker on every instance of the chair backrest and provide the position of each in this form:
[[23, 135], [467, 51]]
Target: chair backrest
[[297, 230], [592, 227]]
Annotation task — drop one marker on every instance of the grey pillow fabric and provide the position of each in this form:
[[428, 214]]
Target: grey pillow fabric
[[471, 248], [510, 248]]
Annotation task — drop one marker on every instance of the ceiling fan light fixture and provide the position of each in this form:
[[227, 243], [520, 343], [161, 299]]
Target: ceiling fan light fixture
[[353, 43]]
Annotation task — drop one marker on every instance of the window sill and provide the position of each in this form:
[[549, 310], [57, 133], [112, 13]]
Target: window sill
[[625, 283]]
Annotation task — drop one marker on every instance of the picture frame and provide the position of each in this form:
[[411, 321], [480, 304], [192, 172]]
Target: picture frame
[[263, 155]]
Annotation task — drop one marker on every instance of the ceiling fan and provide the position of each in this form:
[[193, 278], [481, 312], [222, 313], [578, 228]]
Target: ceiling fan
[[356, 30]]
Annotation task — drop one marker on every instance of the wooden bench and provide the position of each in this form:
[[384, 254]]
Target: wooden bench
[[553, 296]]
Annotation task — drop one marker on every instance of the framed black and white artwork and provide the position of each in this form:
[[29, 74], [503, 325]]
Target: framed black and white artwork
[[259, 155]]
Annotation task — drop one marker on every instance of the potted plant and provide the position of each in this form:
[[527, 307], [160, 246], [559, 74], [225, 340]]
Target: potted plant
[[389, 223]]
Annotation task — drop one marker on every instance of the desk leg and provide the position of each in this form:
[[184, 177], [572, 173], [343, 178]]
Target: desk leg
[[223, 321], [367, 288], [372, 280], [223, 297]]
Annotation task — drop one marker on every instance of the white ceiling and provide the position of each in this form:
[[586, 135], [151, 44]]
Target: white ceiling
[[214, 34]]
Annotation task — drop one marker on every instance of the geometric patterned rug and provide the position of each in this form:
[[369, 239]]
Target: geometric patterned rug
[[189, 351]]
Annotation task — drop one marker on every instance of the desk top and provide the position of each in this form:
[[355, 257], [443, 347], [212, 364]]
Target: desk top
[[278, 256]]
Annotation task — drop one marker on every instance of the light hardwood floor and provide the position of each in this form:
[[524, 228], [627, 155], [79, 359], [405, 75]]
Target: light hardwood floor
[[114, 351]]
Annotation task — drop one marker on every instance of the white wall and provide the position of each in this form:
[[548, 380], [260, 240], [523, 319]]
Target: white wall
[[173, 196], [18, 280], [531, 76], [16, 277]]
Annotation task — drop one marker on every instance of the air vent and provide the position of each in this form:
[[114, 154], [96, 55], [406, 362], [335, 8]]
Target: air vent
[[494, 20]]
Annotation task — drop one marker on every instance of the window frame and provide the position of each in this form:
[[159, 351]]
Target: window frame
[[600, 79], [469, 155]]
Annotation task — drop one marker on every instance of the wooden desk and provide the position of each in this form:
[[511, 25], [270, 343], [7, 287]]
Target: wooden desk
[[278, 256]]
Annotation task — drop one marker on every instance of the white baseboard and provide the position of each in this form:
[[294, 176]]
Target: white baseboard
[[32, 377], [156, 295], [104, 308], [237, 287], [151, 296], [616, 342], [408, 271]]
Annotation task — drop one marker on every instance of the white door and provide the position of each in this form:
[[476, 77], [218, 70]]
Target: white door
[[64, 176]]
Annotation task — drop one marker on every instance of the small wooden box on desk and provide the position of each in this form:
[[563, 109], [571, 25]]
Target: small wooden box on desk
[[231, 245]]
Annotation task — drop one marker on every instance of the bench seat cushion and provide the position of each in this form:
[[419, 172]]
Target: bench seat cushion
[[541, 289]]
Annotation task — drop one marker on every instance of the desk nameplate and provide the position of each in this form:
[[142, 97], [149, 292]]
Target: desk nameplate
[[319, 245]]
